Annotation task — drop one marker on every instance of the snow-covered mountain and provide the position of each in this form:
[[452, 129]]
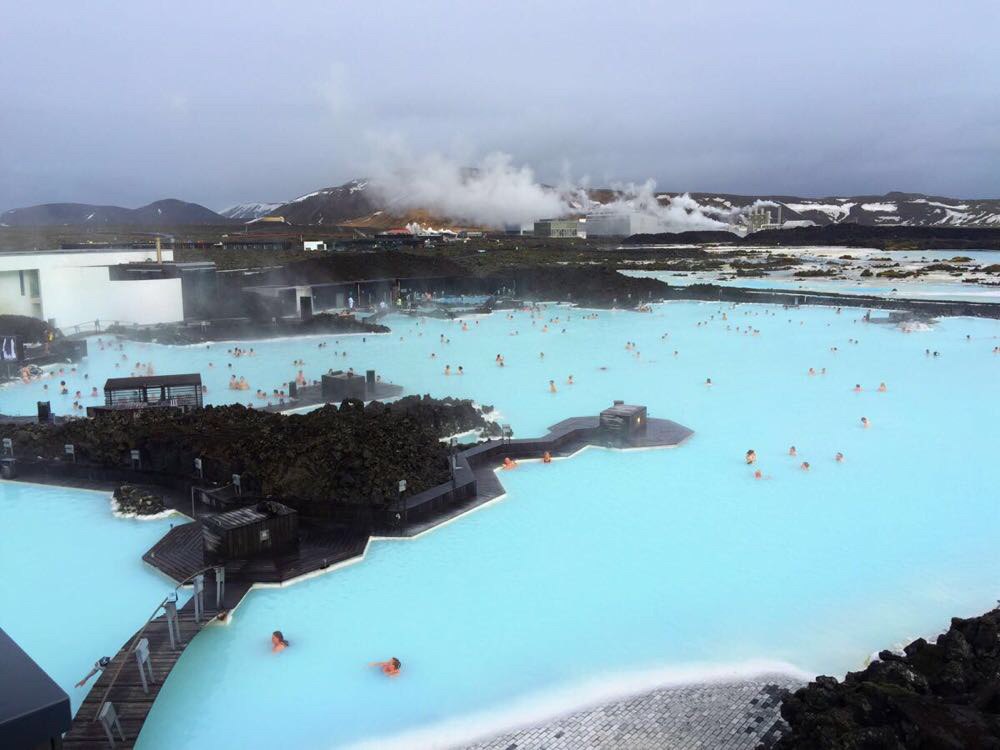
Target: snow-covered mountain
[[910, 209], [249, 211]]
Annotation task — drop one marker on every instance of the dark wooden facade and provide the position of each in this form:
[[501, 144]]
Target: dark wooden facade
[[267, 527], [623, 421], [179, 391]]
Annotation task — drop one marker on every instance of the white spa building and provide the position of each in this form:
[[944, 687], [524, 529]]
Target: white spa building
[[73, 287]]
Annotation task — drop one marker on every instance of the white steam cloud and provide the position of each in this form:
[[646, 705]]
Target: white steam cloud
[[498, 193]]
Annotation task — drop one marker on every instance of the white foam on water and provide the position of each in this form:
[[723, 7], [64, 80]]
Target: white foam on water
[[539, 707]]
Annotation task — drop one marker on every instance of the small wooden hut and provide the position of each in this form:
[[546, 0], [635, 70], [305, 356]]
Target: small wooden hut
[[180, 391], [265, 528]]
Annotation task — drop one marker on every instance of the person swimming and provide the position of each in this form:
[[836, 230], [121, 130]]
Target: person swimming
[[447, 369], [546, 458], [389, 668], [792, 451], [569, 380], [708, 381], [839, 458], [552, 386], [805, 466], [758, 474], [882, 388], [857, 388], [865, 422], [278, 642], [751, 456], [508, 463]]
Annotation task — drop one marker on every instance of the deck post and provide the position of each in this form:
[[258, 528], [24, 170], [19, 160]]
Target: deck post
[[109, 720], [220, 586], [142, 659], [198, 584], [170, 608]]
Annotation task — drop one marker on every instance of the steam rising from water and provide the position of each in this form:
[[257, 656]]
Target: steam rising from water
[[498, 193]]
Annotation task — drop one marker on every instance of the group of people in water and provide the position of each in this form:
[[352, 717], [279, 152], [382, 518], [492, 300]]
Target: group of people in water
[[390, 668]]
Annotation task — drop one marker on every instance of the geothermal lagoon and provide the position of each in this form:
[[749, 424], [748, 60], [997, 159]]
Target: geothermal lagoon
[[612, 571]]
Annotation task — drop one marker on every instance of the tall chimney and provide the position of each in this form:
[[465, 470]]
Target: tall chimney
[[159, 252]]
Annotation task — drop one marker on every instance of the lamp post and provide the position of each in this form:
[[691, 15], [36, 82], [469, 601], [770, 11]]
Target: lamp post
[[401, 487]]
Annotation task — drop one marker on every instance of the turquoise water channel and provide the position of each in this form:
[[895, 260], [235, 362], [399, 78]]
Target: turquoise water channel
[[609, 570], [74, 586]]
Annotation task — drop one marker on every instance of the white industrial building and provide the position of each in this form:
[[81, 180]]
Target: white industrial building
[[561, 228], [618, 223], [70, 287]]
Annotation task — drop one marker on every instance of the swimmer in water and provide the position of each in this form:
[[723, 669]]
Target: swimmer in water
[[839, 458], [805, 466], [546, 458], [751, 456], [857, 388], [708, 381], [278, 642], [389, 668], [552, 386], [569, 380], [758, 474], [792, 451], [865, 422], [882, 388], [447, 369], [509, 464]]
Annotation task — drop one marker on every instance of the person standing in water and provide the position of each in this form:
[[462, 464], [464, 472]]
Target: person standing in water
[[278, 642]]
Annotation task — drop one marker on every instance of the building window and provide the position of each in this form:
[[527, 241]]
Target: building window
[[20, 276], [265, 535]]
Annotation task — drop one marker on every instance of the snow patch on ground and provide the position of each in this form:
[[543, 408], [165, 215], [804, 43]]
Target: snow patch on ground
[[887, 207], [836, 212]]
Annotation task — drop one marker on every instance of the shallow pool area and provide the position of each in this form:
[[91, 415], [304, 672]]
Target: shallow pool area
[[74, 586], [614, 569]]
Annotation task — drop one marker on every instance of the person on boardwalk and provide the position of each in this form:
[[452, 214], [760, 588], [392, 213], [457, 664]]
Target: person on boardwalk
[[99, 666], [389, 668]]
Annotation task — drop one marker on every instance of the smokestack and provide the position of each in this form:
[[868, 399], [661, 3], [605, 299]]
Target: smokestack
[[159, 252]]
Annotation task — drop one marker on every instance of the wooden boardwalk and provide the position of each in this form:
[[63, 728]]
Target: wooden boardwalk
[[180, 554], [131, 702]]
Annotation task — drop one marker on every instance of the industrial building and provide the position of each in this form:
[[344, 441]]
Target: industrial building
[[561, 228], [72, 287], [620, 223]]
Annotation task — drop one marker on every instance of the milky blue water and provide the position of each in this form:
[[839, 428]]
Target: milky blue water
[[616, 568], [74, 587]]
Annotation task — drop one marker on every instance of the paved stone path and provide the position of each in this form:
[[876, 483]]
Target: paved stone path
[[733, 716]]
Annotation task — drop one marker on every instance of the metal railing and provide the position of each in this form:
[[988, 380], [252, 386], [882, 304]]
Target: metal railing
[[128, 649], [95, 326]]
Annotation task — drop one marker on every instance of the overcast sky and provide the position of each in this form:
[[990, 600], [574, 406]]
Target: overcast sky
[[223, 102]]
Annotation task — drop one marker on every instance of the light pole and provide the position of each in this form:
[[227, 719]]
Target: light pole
[[401, 487]]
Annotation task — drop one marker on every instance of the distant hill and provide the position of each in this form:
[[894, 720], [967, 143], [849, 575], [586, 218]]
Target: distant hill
[[358, 204], [895, 208], [250, 211], [160, 213]]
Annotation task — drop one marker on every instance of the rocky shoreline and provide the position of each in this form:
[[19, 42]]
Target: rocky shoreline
[[246, 330], [933, 695], [354, 454]]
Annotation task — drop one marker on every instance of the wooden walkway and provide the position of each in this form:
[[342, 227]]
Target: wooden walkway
[[131, 702], [180, 554]]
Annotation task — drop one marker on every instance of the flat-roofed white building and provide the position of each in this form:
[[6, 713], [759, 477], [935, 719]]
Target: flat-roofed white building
[[618, 223], [70, 287]]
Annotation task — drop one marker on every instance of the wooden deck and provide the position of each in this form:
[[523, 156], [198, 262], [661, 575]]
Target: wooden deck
[[131, 703], [179, 554]]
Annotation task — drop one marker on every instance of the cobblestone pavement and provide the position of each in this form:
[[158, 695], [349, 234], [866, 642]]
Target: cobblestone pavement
[[732, 716]]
